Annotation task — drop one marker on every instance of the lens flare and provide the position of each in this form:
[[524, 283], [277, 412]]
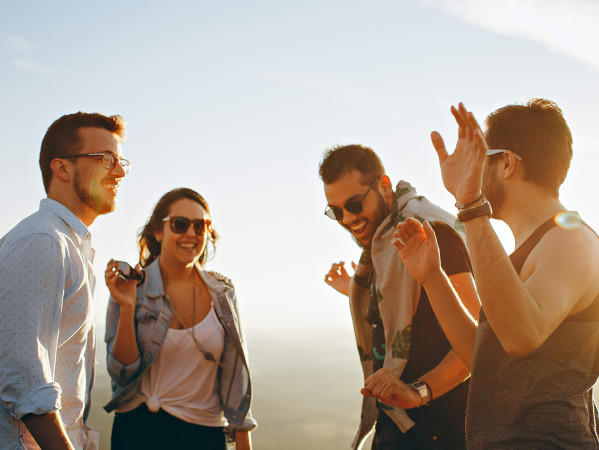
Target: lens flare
[[568, 220]]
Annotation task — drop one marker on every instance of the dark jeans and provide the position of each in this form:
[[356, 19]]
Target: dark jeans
[[143, 429], [388, 436]]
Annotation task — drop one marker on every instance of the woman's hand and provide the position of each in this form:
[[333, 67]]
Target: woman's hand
[[338, 278], [123, 291], [418, 249]]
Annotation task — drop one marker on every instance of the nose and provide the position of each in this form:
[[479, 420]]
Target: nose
[[119, 170], [190, 231], [348, 217]]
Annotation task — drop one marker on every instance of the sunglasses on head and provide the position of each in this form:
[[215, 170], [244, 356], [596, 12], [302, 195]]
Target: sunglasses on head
[[353, 206], [180, 225]]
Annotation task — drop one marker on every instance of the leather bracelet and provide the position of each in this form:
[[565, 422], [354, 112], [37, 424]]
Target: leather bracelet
[[472, 203], [484, 209]]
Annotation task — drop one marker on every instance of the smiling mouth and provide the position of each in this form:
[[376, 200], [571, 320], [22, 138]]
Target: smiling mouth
[[187, 245], [359, 227], [111, 185]]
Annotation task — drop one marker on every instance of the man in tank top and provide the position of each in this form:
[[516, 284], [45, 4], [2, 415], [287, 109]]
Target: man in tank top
[[534, 356]]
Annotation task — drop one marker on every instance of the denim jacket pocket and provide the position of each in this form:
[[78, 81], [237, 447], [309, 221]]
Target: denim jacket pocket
[[146, 322]]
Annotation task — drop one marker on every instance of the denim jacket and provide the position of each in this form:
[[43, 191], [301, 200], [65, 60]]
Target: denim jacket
[[153, 315]]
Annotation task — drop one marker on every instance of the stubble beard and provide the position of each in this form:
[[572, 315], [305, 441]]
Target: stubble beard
[[382, 211], [92, 200], [493, 189]]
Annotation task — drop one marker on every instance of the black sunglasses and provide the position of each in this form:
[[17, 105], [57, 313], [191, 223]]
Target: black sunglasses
[[180, 225], [353, 206]]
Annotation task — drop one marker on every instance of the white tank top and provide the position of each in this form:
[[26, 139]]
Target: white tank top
[[181, 381]]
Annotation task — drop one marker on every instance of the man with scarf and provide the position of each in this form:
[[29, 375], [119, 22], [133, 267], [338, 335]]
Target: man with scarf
[[402, 348]]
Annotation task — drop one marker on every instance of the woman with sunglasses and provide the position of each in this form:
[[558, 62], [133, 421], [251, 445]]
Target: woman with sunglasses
[[175, 353]]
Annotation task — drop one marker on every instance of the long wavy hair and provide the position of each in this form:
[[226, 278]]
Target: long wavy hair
[[149, 247]]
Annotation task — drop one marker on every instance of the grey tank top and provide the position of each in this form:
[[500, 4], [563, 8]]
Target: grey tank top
[[542, 400]]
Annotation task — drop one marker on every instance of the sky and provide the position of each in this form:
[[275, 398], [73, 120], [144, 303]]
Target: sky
[[238, 100]]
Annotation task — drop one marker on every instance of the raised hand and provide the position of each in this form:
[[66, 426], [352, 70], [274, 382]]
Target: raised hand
[[462, 171], [123, 291], [418, 249], [390, 390], [338, 278]]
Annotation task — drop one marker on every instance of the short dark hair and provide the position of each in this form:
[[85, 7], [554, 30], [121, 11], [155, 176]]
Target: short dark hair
[[339, 160], [539, 134], [62, 137], [149, 247]]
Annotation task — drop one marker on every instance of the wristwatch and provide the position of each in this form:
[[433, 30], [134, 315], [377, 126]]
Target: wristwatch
[[426, 395]]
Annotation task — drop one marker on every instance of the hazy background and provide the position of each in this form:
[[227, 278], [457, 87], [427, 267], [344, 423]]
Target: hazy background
[[238, 100]]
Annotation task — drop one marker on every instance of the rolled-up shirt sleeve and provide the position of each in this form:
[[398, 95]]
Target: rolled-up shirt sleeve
[[32, 284]]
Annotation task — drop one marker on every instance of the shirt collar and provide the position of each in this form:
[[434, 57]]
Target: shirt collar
[[67, 215]]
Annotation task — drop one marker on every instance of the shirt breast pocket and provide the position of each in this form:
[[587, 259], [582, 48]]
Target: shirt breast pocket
[[146, 320]]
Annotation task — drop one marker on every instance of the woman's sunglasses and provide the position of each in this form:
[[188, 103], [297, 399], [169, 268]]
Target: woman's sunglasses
[[180, 225], [353, 206]]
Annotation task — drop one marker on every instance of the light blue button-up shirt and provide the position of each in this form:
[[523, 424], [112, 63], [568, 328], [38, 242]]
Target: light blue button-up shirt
[[47, 330]]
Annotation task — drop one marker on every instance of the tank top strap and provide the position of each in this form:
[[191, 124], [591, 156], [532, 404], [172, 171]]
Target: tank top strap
[[518, 258]]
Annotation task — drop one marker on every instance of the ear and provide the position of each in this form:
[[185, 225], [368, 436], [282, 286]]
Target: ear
[[385, 185], [509, 165], [158, 236], [61, 169]]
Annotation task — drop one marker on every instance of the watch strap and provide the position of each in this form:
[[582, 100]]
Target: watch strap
[[484, 209], [425, 392]]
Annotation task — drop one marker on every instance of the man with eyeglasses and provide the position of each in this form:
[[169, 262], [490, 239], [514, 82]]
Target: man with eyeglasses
[[402, 348], [47, 340], [534, 352]]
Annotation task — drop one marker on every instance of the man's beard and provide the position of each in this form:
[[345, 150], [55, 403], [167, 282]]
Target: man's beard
[[91, 199], [492, 188], [382, 211]]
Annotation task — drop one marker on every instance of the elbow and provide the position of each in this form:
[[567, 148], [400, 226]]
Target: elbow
[[520, 345]]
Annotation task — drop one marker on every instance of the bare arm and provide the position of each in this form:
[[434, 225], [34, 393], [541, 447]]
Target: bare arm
[[523, 313], [449, 373], [48, 431], [243, 441], [454, 299]]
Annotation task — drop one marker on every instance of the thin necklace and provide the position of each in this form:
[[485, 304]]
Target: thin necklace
[[191, 330]]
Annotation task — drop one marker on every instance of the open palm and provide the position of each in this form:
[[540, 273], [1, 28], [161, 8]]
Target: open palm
[[462, 171], [418, 249]]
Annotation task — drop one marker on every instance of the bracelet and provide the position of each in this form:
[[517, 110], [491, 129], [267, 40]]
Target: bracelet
[[472, 203], [484, 209]]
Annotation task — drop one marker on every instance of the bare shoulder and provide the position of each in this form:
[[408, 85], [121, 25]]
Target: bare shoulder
[[567, 259]]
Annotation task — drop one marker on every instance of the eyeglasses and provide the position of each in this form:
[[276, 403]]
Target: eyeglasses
[[353, 206], [180, 225], [108, 159], [494, 151]]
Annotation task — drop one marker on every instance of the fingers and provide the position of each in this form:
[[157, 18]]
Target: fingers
[[405, 231], [430, 233], [439, 145], [337, 270], [479, 138]]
